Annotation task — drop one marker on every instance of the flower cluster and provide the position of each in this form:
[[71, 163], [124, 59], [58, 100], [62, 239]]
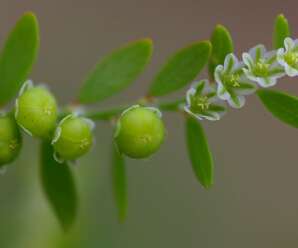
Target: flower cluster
[[235, 79]]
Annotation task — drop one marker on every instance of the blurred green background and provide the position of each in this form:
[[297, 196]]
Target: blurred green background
[[254, 200]]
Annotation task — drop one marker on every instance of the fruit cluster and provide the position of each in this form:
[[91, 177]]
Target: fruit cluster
[[138, 134]]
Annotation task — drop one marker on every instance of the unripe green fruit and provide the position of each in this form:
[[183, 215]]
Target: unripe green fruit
[[73, 137], [10, 140], [36, 112], [140, 132]]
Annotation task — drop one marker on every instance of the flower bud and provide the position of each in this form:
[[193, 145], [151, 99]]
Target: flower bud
[[36, 111], [140, 132], [73, 137], [10, 139]]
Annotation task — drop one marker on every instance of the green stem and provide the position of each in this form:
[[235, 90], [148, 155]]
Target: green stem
[[106, 115], [109, 114], [172, 105]]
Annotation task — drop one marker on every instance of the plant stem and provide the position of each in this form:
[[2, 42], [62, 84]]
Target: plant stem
[[109, 114], [171, 105], [106, 115]]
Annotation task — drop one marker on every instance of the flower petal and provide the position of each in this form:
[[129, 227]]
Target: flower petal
[[236, 101], [280, 56], [270, 57], [289, 43], [277, 72], [267, 82], [246, 88], [249, 74], [217, 108], [218, 72], [222, 92], [231, 63], [290, 71], [189, 93], [210, 116], [257, 52], [188, 111], [248, 60]]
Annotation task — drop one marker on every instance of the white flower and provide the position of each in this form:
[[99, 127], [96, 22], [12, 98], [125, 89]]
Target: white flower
[[232, 83], [262, 66], [288, 57], [202, 102]]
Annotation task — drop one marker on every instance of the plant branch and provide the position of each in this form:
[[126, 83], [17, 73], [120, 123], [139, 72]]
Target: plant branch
[[109, 114]]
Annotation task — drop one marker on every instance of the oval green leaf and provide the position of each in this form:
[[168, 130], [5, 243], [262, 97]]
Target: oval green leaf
[[181, 68], [222, 45], [119, 183], [281, 31], [59, 187], [116, 71], [199, 152], [18, 56], [281, 105]]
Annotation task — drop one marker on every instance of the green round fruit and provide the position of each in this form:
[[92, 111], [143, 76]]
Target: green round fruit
[[140, 132], [36, 112], [73, 137], [10, 139]]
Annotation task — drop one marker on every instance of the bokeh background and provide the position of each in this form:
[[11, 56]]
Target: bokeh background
[[254, 200]]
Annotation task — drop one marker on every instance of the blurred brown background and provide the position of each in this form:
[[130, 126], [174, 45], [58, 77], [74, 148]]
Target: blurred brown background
[[254, 200]]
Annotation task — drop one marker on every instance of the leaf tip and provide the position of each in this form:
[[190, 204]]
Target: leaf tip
[[30, 15], [207, 186], [207, 43], [220, 27], [146, 42], [282, 20], [281, 16], [204, 44]]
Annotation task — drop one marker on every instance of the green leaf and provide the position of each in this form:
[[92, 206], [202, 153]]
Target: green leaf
[[181, 68], [18, 55], [119, 183], [59, 187], [116, 71], [199, 153], [281, 31], [281, 105], [222, 45]]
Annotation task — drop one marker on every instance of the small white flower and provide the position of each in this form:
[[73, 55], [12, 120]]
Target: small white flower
[[203, 103], [232, 83], [288, 57], [262, 66]]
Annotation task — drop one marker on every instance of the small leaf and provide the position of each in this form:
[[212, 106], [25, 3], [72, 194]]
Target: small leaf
[[222, 45], [281, 31], [181, 68], [119, 183], [18, 55], [199, 153], [116, 71], [59, 187], [281, 105]]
